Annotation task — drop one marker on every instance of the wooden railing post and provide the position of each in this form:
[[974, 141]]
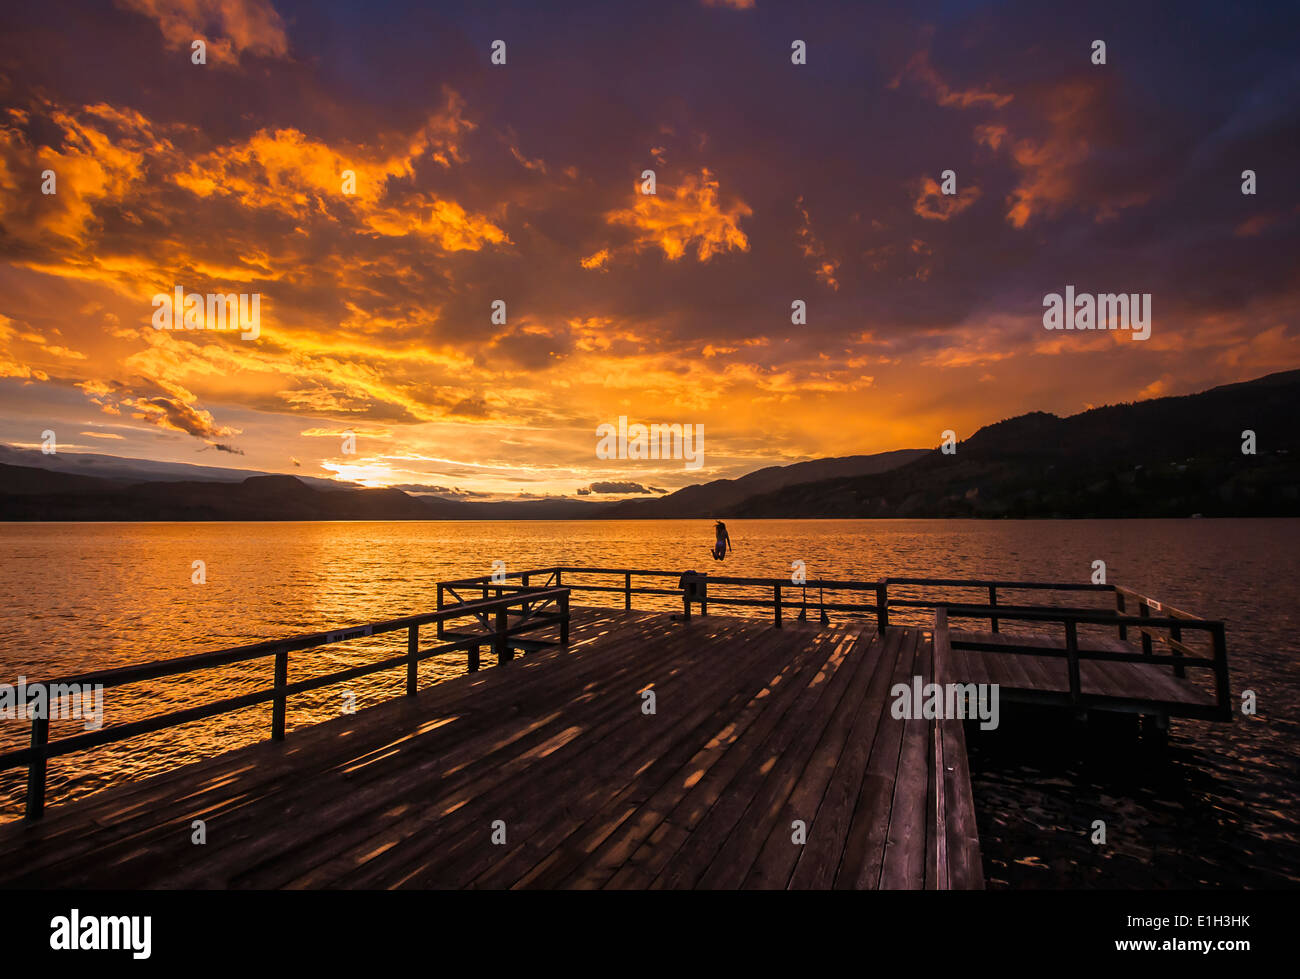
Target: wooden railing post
[[1072, 659], [413, 664], [473, 658], [281, 698], [440, 608], [1120, 609], [1144, 612], [627, 591], [1176, 633], [564, 620], [882, 606], [1222, 691], [993, 601], [36, 768], [502, 644], [776, 603]]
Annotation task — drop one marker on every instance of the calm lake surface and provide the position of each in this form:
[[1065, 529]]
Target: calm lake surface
[[1219, 808]]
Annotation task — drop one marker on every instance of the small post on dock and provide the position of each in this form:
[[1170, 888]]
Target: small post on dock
[[1119, 610], [564, 620], [441, 599], [776, 603], [1072, 659], [1144, 612], [627, 591], [412, 663], [281, 698], [1222, 690], [502, 644], [36, 768], [882, 606], [1176, 633], [473, 658], [993, 602]]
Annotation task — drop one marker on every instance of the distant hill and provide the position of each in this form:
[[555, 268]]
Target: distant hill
[[28, 493], [31, 493], [140, 470], [28, 481], [38, 494], [712, 498], [1168, 457]]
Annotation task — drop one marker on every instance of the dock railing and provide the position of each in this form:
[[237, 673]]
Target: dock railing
[[1159, 625], [537, 609], [783, 596], [1165, 629]]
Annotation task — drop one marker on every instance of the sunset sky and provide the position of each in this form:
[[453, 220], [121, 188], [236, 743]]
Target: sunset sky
[[521, 182]]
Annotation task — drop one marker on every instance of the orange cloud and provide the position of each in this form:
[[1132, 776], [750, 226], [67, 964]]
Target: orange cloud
[[597, 260], [228, 27], [288, 171], [691, 216], [160, 403], [934, 205], [919, 70], [1054, 166], [824, 266], [991, 135]]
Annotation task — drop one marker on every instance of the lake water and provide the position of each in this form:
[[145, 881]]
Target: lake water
[[1220, 808]]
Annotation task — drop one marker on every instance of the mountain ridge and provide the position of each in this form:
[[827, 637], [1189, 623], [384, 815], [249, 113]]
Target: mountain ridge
[[1164, 457]]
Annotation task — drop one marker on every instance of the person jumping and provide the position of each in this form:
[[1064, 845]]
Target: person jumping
[[723, 542]]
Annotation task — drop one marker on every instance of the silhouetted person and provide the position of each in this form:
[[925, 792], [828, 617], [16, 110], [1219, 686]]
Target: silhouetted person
[[723, 542]]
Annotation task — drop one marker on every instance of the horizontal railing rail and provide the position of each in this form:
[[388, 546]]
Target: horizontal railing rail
[[696, 593], [1156, 623], [534, 616], [1183, 656]]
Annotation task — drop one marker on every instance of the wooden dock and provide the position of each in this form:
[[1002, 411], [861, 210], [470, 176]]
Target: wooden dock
[[754, 729], [770, 758]]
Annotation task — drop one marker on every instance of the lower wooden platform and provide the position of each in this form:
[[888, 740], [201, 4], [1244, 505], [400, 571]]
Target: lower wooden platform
[[771, 760], [1108, 684]]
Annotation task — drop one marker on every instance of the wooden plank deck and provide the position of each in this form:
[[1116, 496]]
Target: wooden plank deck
[[755, 728]]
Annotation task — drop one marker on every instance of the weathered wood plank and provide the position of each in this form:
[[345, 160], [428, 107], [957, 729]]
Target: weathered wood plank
[[867, 834], [820, 858]]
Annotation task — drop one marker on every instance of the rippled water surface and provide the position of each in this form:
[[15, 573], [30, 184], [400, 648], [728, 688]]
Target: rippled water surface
[[1218, 807]]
